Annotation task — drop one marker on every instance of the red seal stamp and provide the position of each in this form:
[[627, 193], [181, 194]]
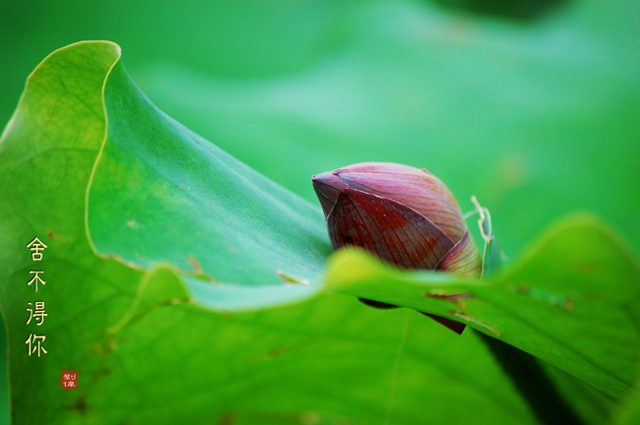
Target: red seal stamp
[[69, 379]]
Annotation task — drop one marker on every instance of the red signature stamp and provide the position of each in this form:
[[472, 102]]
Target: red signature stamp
[[69, 379]]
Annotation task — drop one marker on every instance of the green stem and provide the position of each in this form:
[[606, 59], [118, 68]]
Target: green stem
[[531, 380]]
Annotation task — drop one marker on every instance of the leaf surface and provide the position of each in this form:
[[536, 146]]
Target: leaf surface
[[144, 347], [571, 300], [171, 269], [161, 193]]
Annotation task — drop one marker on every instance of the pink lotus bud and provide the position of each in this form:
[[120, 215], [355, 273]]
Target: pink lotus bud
[[404, 215]]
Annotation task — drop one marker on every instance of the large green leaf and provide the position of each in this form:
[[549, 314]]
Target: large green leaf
[[47, 152], [145, 351], [163, 194], [128, 307], [571, 300], [192, 204]]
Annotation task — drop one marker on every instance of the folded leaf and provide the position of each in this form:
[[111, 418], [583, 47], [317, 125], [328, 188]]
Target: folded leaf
[[135, 330], [570, 301]]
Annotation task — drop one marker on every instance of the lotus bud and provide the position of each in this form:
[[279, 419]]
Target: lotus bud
[[404, 215]]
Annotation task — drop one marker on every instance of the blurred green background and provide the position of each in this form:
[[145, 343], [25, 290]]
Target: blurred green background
[[535, 111], [536, 117]]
